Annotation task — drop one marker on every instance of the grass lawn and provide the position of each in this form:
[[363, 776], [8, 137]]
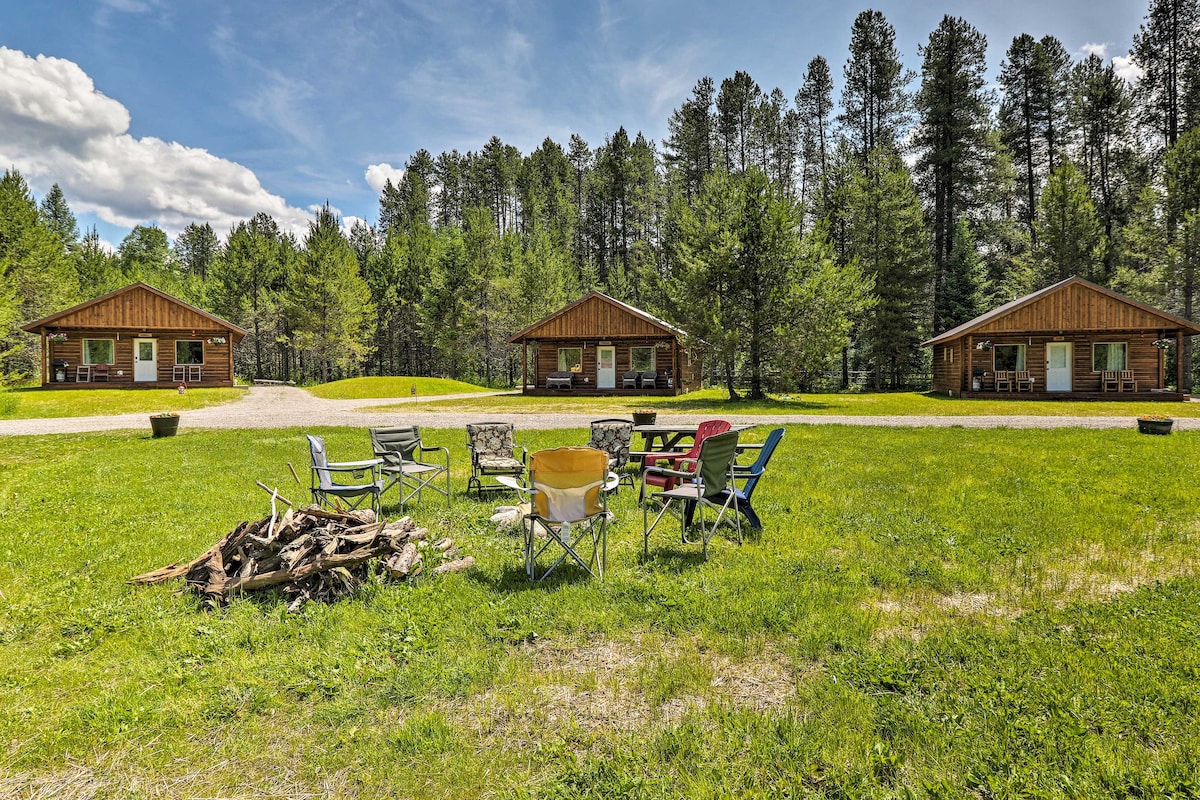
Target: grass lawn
[[37, 403], [366, 388], [929, 613], [715, 401]]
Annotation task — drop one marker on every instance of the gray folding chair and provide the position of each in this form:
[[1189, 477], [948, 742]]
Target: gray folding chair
[[327, 491], [701, 486], [406, 462]]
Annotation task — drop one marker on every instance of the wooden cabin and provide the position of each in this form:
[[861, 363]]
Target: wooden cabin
[[136, 337], [595, 345], [1070, 340]]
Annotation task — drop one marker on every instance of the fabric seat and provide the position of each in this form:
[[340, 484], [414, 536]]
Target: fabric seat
[[326, 488], [751, 475], [675, 459], [567, 510], [615, 437], [406, 462], [493, 454], [708, 483]]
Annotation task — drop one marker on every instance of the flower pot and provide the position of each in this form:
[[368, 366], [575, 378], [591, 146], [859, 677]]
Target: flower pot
[[1160, 427], [164, 426], [644, 419]]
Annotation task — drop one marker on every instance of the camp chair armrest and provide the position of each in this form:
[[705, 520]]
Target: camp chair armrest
[[346, 466], [611, 482], [513, 483], [677, 473]]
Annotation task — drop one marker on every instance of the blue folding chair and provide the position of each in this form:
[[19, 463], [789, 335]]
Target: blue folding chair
[[751, 475]]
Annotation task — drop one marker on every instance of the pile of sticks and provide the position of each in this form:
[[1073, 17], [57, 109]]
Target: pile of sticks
[[312, 554]]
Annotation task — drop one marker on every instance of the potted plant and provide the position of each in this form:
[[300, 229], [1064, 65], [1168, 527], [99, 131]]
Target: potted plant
[[164, 424], [644, 416], [1159, 424]]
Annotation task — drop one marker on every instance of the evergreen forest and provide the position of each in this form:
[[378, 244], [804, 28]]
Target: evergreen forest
[[807, 238]]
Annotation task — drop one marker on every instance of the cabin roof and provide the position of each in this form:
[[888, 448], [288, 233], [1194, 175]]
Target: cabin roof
[[118, 309], [1068, 316], [575, 316]]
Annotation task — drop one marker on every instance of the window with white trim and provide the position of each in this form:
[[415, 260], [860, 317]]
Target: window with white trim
[[641, 359], [189, 351], [1109, 356], [570, 359], [1008, 356], [97, 351]]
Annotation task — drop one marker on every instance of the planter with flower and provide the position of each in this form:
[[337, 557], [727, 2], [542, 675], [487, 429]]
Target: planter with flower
[[1163, 344], [644, 416], [1159, 424], [216, 341], [56, 337], [164, 424], [984, 345]]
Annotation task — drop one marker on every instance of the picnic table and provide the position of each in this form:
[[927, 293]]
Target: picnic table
[[671, 438]]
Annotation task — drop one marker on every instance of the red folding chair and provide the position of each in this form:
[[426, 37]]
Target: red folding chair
[[667, 482]]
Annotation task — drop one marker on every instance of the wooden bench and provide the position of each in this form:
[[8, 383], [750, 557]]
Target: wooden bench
[[560, 380]]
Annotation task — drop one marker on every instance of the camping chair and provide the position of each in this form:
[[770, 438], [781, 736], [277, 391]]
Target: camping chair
[[705, 485], [404, 462], [327, 491], [649, 379], [629, 380], [751, 476], [492, 454], [568, 489], [662, 481], [614, 436], [1126, 381]]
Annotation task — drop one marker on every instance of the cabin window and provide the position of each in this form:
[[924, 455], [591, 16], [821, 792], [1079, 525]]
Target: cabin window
[[641, 358], [1008, 356], [948, 354], [97, 351], [570, 359], [1109, 356], [189, 351]]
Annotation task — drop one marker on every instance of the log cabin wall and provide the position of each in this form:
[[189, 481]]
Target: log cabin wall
[[547, 360], [215, 371]]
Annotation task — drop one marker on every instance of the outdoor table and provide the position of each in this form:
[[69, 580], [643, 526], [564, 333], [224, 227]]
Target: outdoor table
[[669, 439]]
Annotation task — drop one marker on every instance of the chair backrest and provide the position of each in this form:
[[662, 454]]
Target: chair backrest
[[395, 444], [567, 482], [704, 430], [320, 462], [630, 375], [716, 457], [649, 377], [491, 438], [613, 436], [760, 464]]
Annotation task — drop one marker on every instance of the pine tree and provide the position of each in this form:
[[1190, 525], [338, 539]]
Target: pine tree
[[1167, 48], [57, 216], [689, 147], [814, 107], [876, 107], [247, 275], [953, 140], [1021, 81], [1070, 238], [196, 248]]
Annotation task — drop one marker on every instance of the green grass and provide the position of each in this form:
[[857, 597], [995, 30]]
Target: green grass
[[930, 613], [366, 388], [37, 403], [716, 401]]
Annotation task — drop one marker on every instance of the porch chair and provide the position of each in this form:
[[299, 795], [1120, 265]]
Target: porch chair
[[1004, 380], [615, 437], [83, 373], [1109, 379], [405, 463], [629, 380], [1022, 382], [649, 379], [327, 491], [661, 481], [100, 373], [708, 483], [568, 489], [751, 475], [493, 454], [1126, 381]]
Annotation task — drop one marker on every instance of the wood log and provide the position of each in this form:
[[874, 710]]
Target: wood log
[[401, 563], [454, 566]]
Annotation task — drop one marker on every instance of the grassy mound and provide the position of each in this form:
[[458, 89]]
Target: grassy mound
[[37, 403], [363, 388]]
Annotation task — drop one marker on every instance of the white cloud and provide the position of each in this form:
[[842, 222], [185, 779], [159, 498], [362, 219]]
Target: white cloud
[[1093, 49], [55, 127], [1127, 68], [379, 174]]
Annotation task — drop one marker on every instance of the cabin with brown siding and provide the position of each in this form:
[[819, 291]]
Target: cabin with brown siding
[[590, 347], [1071, 340], [136, 337]]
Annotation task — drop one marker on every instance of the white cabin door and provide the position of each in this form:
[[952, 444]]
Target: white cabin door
[[145, 360], [606, 367], [1058, 366]]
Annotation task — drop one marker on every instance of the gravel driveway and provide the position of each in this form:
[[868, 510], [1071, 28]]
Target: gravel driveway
[[287, 406]]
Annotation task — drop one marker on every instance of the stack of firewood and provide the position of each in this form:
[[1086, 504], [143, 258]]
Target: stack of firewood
[[312, 554]]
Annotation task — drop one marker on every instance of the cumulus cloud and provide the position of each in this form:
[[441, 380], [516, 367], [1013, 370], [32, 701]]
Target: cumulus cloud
[[56, 127], [379, 174], [1093, 49], [1127, 68]]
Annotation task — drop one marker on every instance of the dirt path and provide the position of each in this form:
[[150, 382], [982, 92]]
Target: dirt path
[[287, 406]]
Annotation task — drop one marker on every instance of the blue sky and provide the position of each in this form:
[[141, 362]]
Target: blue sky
[[172, 111]]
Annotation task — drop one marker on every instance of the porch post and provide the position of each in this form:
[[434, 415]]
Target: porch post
[[970, 360], [524, 364], [45, 357], [1179, 361]]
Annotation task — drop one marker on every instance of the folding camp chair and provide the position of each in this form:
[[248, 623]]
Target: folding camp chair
[[568, 487], [674, 459], [615, 437], [405, 462], [327, 491], [702, 486], [493, 453], [750, 477]]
